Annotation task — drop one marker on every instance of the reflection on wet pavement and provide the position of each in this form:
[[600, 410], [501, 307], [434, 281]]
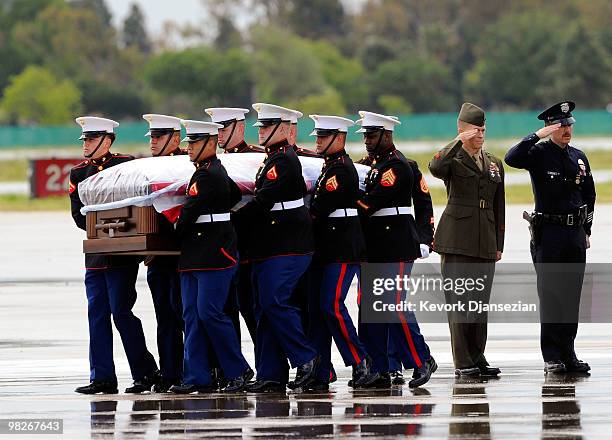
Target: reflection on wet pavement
[[560, 409], [522, 403]]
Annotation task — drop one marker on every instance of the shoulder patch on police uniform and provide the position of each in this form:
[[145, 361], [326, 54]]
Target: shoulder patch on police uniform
[[71, 187], [271, 174], [331, 184], [388, 178], [193, 189]]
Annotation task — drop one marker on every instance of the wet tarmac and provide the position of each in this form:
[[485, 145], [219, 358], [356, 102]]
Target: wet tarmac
[[43, 357], [521, 403]]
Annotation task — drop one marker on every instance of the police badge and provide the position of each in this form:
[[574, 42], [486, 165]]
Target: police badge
[[565, 107]]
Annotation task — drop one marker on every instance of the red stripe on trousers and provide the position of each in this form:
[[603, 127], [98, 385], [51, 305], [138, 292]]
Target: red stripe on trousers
[[339, 315], [405, 327], [412, 429]]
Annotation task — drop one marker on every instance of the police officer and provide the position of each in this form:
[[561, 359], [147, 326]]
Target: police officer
[[207, 263], [162, 270], [109, 281], [339, 250], [281, 251], [470, 234], [231, 140], [564, 194], [395, 233]]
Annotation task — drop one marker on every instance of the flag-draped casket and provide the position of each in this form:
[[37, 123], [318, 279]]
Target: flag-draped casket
[[130, 208]]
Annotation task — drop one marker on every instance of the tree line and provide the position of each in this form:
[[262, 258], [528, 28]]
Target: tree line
[[61, 58]]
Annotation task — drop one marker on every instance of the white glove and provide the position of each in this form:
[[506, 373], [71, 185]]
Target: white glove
[[424, 251]]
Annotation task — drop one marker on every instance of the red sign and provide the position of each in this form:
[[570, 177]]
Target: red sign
[[51, 177]]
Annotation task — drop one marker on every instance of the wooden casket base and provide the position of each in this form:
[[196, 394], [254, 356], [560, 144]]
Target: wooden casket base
[[132, 230]]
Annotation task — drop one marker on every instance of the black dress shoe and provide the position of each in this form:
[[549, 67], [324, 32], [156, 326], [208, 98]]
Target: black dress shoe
[[145, 384], [576, 366], [467, 372], [98, 387], [239, 383], [267, 386], [554, 367], [163, 386], [489, 371], [360, 372], [397, 378], [218, 378], [192, 389], [306, 373], [421, 375], [375, 380], [316, 386]]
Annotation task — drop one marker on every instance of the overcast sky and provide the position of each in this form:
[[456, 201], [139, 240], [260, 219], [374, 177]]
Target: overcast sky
[[186, 11], [158, 11]]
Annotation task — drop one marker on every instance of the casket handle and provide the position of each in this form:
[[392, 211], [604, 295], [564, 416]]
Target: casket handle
[[116, 225], [111, 227]]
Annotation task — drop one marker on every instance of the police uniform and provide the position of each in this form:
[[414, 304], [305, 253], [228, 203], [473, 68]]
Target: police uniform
[[240, 300], [163, 277], [281, 249], [110, 286], [396, 233], [564, 194], [339, 250], [468, 237], [207, 263]]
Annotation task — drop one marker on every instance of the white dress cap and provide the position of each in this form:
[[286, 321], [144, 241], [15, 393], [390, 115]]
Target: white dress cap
[[199, 129], [271, 111], [162, 123], [325, 122], [93, 124], [376, 120], [223, 114], [296, 115]]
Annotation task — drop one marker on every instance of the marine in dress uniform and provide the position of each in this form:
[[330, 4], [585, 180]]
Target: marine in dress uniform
[[281, 250], [395, 361], [304, 285], [470, 234], [162, 270], [208, 261], [109, 280], [564, 194], [395, 233], [231, 140], [339, 251], [295, 115]]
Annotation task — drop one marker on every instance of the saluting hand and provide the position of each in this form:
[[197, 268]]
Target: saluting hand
[[544, 132], [466, 135]]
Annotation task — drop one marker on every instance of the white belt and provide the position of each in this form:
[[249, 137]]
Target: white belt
[[208, 218], [396, 210], [344, 212], [291, 204]]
